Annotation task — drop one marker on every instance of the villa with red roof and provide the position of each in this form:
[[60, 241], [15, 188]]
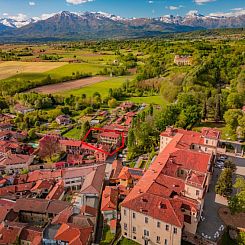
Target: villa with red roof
[[168, 200]]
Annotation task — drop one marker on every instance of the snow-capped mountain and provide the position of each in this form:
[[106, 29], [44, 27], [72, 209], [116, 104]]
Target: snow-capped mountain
[[93, 25], [15, 23], [194, 19]]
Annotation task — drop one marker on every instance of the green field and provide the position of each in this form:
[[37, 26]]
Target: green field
[[68, 69], [101, 87], [74, 133], [65, 70], [25, 81], [156, 99]]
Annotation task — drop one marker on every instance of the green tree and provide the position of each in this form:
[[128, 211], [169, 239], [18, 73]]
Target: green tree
[[223, 186], [234, 101], [32, 134], [241, 238], [112, 103], [85, 129], [204, 110], [232, 116], [237, 202], [217, 112]]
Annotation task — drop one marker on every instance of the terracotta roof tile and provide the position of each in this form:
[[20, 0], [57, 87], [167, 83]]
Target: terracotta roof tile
[[94, 181], [109, 199], [73, 234]]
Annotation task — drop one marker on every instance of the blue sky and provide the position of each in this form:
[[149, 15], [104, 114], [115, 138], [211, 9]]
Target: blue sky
[[124, 8]]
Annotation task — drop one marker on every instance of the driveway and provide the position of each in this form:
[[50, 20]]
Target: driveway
[[240, 165], [212, 203]]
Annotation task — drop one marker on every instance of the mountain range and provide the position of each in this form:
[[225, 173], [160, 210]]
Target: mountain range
[[95, 25]]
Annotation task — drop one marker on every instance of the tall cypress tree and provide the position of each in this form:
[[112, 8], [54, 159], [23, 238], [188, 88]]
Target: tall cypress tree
[[217, 113]]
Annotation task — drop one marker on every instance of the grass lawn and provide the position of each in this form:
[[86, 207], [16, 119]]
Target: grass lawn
[[101, 87], [219, 126], [158, 100], [125, 241], [74, 133], [107, 236]]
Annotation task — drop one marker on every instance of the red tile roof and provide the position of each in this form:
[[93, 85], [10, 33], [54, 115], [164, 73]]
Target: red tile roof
[[109, 199], [87, 210], [63, 216], [73, 234], [211, 133], [113, 224], [40, 205], [155, 206], [116, 169], [12, 159], [32, 235], [161, 182], [94, 181], [43, 184], [44, 174], [130, 173], [10, 231], [12, 189], [75, 143], [113, 135], [56, 192]]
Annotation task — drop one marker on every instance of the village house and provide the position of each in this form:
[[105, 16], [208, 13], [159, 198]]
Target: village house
[[58, 191], [79, 153], [63, 120], [127, 106], [110, 138], [182, 60], [16, 191], [206, 141], [22, 109], [169, 198], [42, 188], [73, 234], [129, 177], [38, 211], [91, 189], [7, 118], [116, 169], [11, 146], [14, 163], [5, 126]]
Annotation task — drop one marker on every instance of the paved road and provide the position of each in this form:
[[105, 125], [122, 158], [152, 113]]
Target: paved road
[[212, 204], [240, 164]]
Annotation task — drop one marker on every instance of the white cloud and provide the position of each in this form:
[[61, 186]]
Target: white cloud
[[174, 7], [32, 3], [234, 13], [5, 14], [76, 2], [150, 1], [201, 2], [19, 17]]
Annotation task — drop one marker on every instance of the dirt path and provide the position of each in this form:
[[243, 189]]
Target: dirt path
[[76, 84]]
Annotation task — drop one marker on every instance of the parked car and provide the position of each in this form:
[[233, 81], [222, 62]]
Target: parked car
[[223, 158]]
